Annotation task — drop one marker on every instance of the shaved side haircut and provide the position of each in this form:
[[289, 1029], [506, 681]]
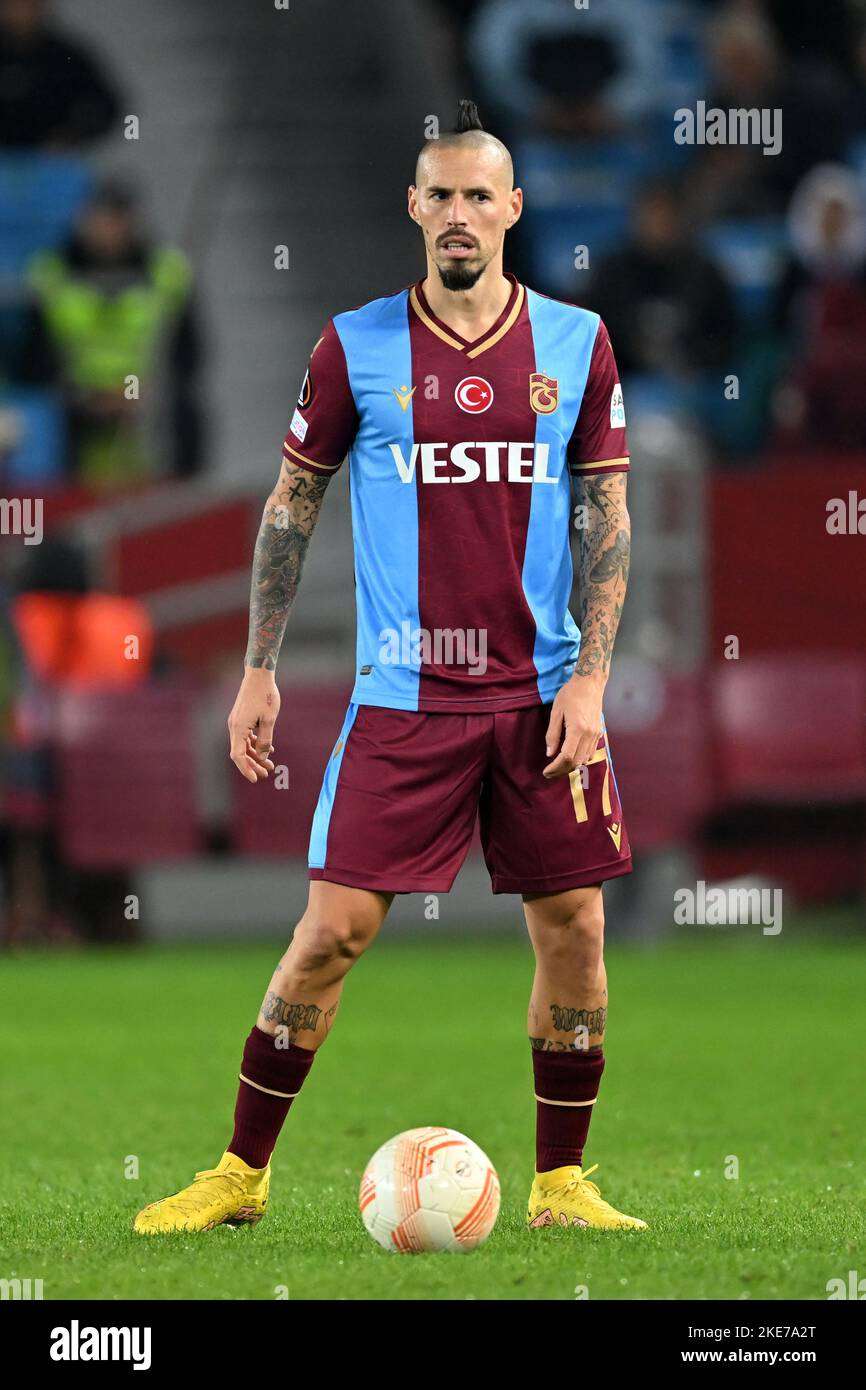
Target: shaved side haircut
[[468, 131]]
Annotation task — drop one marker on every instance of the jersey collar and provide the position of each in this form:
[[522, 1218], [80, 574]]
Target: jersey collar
[[495, 332]]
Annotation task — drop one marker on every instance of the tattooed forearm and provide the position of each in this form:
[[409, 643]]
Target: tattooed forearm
[[604, 548], [290, 516]]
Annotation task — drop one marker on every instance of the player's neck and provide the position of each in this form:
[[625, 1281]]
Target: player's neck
[[469, 312]]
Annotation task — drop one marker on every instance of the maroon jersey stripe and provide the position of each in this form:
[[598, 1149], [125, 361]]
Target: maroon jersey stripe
[[472, 537]]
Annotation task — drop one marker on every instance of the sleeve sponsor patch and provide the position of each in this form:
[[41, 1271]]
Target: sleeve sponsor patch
[[617, 409], [298, 426]]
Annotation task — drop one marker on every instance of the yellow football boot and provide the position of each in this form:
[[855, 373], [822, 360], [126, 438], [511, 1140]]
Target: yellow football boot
[[564, 1197], [232, 1192]]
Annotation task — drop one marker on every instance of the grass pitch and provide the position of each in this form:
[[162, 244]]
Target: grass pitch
[[718, 1048]]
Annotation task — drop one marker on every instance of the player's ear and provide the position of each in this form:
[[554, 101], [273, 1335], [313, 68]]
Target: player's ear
[[516, 201], [413, 203]]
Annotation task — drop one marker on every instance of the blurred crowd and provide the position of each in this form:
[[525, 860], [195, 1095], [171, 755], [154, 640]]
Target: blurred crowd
[[732, 277], [100, 356], [726, 272], [708, 261], [100, 348]]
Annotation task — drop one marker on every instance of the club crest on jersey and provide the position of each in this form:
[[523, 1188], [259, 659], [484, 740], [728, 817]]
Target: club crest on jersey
[[474, 395], [543, 393]]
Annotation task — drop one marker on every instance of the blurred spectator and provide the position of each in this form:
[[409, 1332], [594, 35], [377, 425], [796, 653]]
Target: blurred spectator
[[110, 306], [857, 105], [68, 638], [456, 16], [667, 307], [822, 310], [822, 33], [751, 72], [547, 67], [53, 94]]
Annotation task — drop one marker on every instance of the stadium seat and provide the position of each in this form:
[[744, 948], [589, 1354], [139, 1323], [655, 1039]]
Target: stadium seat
[[750, 251], [126, 788], [576, 195], [651, 393], [40, 196], [554, 235], [271, 820], [32, 440], [855, 155], [659, 754], [789, 729]]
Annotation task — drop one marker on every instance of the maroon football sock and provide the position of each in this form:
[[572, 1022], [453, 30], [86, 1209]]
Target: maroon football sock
[[561, 1129], [271, 1077]]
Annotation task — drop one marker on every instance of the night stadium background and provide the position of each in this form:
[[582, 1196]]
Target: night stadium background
[[217, 179]]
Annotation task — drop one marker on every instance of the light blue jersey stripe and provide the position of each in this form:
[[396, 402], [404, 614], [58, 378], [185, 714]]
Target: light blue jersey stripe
[[609, 758], [325, 804], [563, 338], [378, 352]]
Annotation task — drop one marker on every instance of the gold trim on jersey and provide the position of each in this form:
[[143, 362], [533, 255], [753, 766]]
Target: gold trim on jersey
[[329, 467], [504, 327], [467, 348], [599, 463], [434, 327]]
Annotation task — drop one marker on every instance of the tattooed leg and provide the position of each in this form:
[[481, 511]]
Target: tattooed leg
[[568, 1004], [304, 993]]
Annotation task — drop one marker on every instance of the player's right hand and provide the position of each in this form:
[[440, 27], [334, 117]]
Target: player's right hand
[[251, 724]]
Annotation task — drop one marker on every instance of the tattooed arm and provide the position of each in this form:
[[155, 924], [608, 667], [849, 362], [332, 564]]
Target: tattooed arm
[[604, 548], [290, 516]]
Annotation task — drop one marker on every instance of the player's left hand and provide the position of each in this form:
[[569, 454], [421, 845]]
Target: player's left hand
[[575, 725]]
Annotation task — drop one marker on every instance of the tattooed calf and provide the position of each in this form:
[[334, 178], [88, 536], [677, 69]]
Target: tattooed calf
[[551, 1045], [547, 1045], [569, 1020], [295, 1017]]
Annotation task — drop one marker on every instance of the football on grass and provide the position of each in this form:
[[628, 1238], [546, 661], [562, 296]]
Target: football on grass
[[429, 1189]]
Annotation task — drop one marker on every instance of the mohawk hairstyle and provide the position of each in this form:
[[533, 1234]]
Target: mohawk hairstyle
[[467, 117], [469, 130]]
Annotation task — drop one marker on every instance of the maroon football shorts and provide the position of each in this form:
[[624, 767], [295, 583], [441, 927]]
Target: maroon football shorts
[[402, 790]]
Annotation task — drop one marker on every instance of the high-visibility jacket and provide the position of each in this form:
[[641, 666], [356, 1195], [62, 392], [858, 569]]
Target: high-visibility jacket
[[104, 338]]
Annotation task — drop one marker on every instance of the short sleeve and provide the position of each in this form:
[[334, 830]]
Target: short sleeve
[[599, 443], [325, 421]]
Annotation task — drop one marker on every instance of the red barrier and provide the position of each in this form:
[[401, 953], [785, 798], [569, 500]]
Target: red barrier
[[778, 580]]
